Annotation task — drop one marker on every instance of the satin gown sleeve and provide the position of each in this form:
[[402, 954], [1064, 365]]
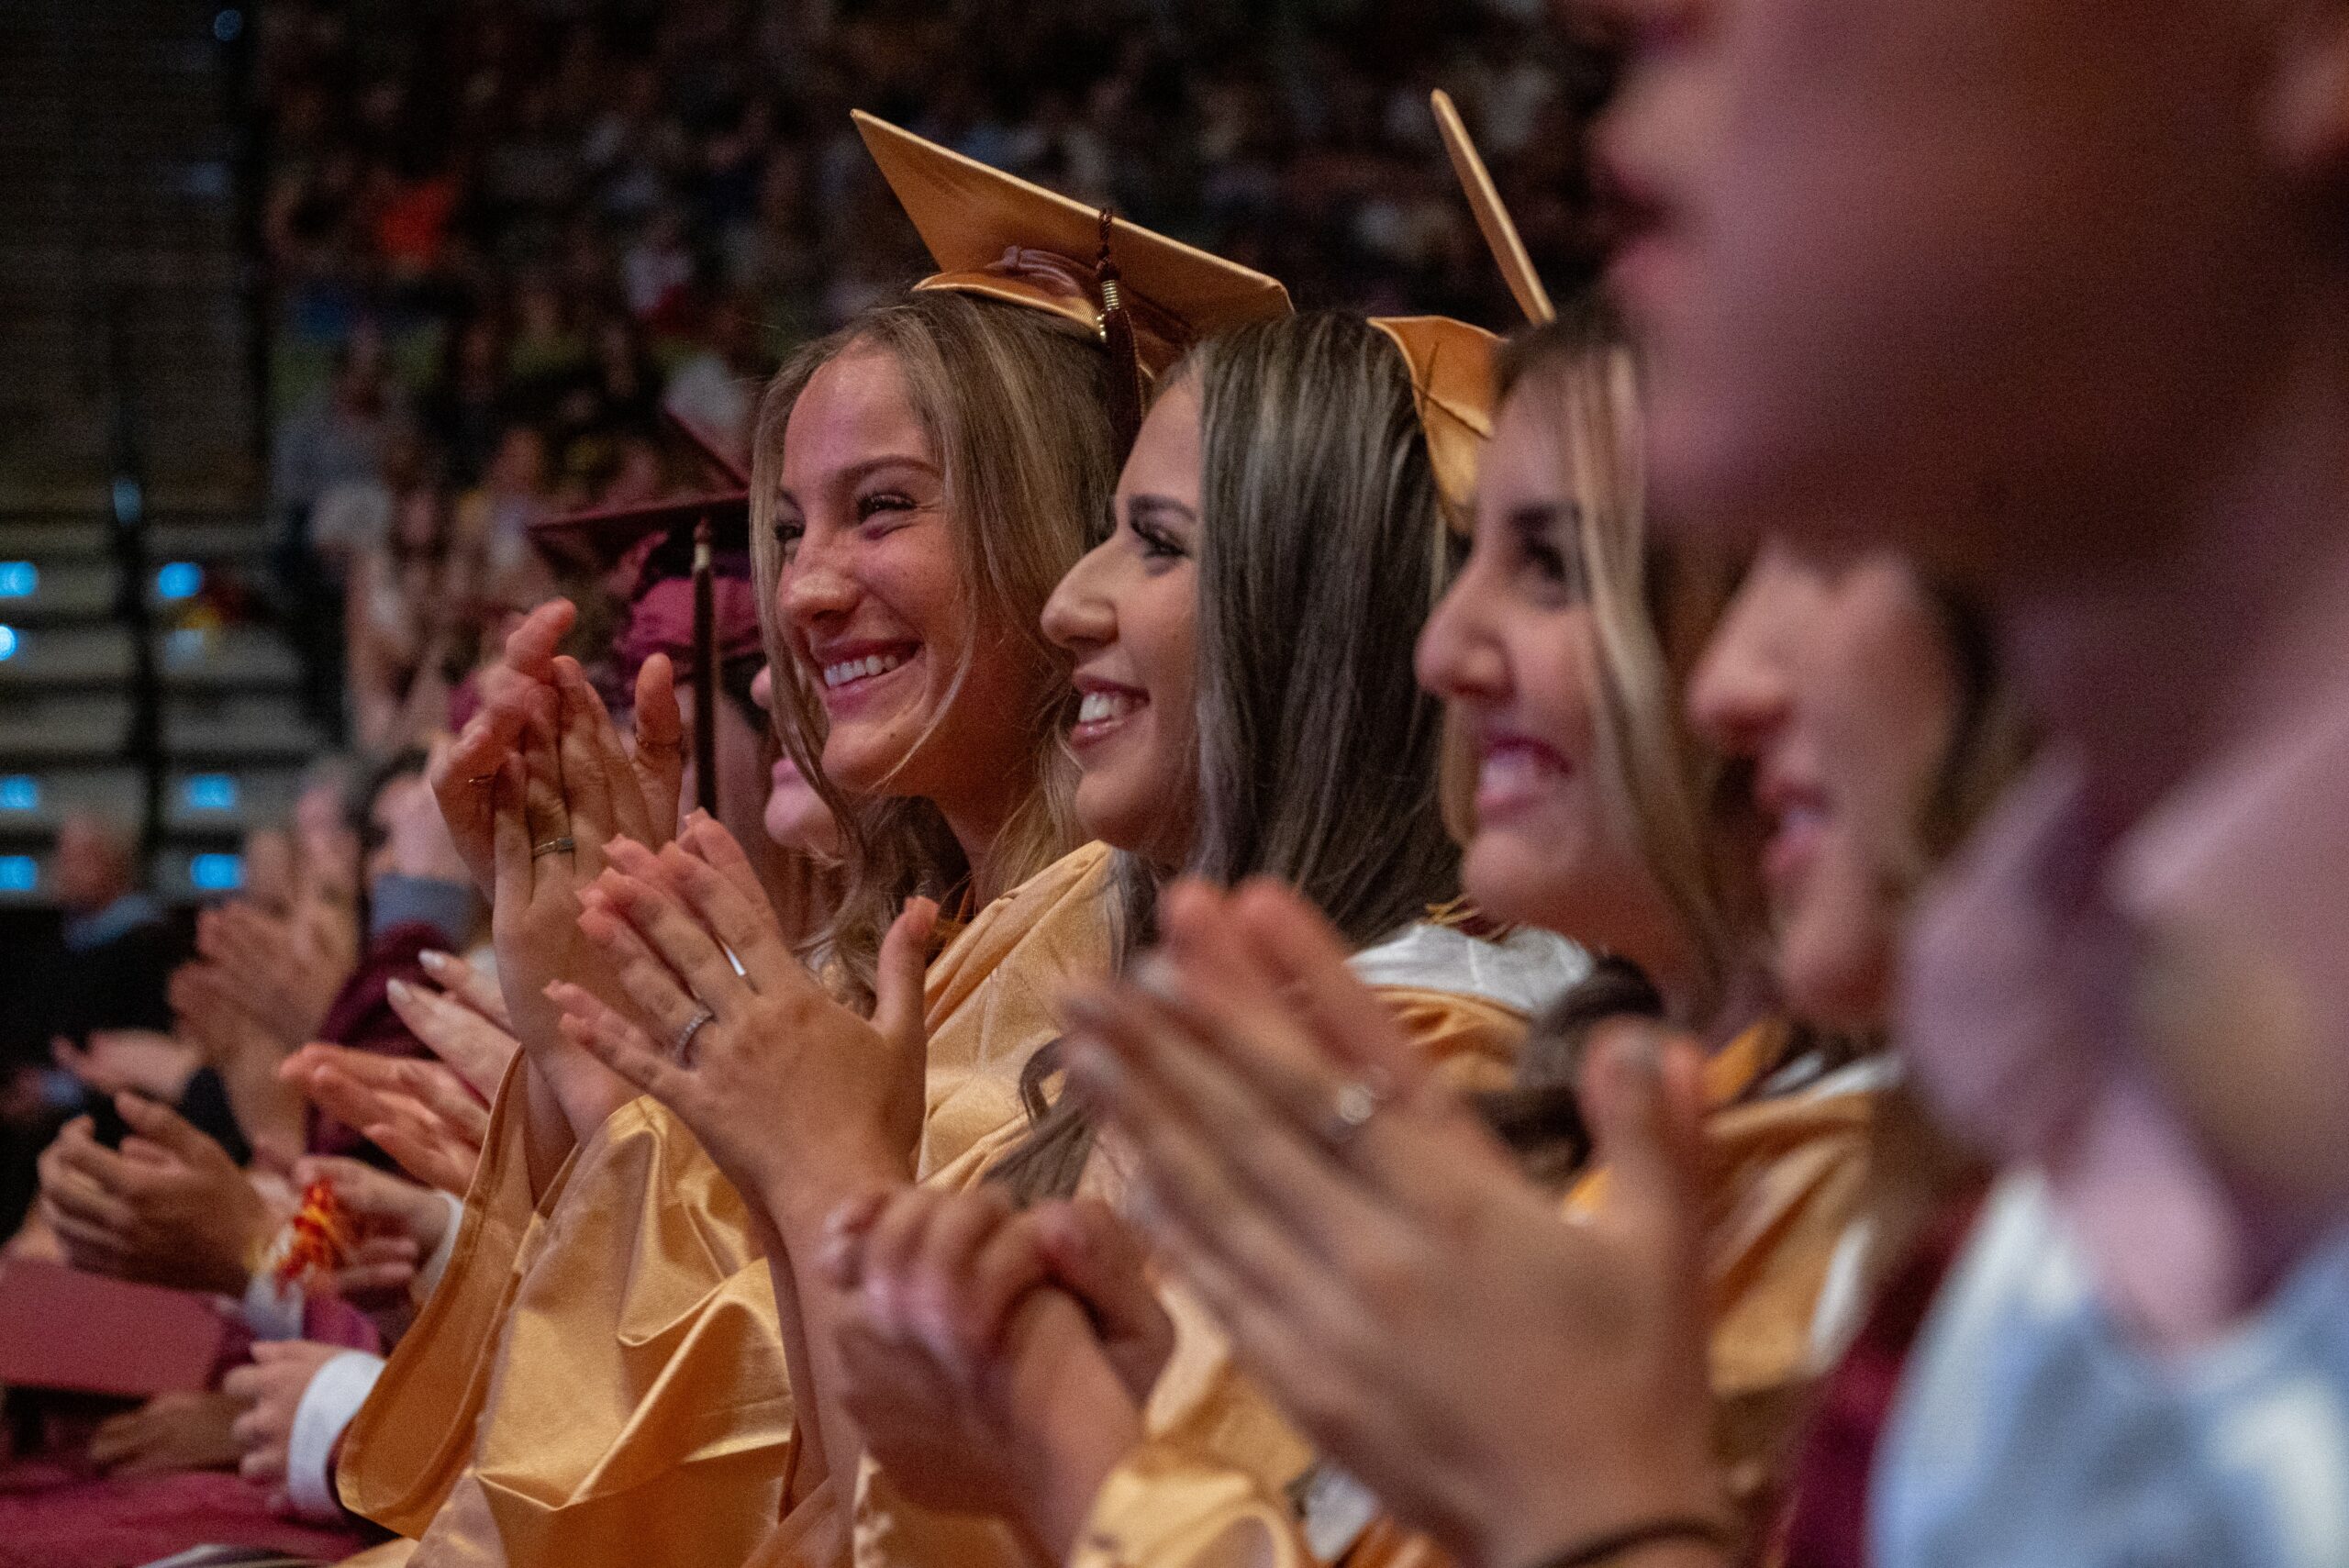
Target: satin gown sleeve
[[599, 1380]]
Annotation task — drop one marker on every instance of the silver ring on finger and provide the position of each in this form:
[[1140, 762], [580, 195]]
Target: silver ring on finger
[[561, 846], [682, 1047], [1351, 1109]]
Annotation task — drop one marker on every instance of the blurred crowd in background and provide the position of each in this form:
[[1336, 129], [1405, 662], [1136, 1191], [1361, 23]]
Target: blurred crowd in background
[[502, 234]]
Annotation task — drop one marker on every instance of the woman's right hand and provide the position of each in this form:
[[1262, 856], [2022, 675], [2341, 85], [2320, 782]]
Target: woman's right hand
[[552, 811], [473, 1044], [420, 1112], [797, 1099]]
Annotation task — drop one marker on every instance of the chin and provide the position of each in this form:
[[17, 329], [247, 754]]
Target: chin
[[1508, 878], [1831, 986], [860, 763]]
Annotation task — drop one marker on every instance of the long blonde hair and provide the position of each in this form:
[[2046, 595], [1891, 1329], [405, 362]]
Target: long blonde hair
[[1654, 603], [1014, 404]]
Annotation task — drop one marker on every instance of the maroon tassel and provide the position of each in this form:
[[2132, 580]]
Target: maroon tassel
[[705, 671], [1125, 359]]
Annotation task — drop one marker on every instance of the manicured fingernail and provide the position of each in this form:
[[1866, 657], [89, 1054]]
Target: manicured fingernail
[[1156, 974], [436, 963], [1094, 1075], [400, 990]]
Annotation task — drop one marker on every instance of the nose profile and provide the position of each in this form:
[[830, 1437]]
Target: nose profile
[[812, 590], [1079, 617], [1457, 659], [1742, 694]]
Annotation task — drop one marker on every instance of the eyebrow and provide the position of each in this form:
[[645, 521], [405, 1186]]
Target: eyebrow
[[1546, 516], [1152, 508], [857, 474]]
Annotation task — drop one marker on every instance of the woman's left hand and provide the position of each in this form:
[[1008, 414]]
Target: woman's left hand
[[980, 1386], [1510, 1381], [799, 1100]]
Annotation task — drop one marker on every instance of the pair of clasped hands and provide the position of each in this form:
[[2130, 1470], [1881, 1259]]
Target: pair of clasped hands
[[1505, 1379]]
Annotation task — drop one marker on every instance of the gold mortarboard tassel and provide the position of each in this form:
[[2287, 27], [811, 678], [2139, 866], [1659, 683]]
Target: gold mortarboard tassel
[[1118, 338], [1485, 199]]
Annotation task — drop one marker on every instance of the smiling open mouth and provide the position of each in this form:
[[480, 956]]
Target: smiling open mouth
[[847, 672], [1106, 708]]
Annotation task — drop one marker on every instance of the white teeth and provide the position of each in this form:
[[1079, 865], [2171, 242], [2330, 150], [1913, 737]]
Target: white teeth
[[1506, 771], [1097, 707], [840, 674]]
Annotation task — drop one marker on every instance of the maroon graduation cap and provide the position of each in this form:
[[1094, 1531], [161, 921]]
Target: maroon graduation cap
[[717, 516]]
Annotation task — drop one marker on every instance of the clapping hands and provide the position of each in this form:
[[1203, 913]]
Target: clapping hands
[[1505, 1379]]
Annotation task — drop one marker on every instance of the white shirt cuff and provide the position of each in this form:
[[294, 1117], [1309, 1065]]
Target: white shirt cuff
[[336, 1390], [427, 1278], [269, 1313]]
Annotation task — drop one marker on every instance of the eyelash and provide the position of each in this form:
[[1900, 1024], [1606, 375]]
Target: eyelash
[[1558, 568], [1156, 545], [788, 535]]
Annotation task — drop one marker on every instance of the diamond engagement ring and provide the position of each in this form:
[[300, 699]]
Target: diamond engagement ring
[[1351, 1109], [684, 1048]]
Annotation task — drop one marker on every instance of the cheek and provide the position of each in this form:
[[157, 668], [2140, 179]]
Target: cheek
[[922, 588], [1553, 663], [1160, 629]]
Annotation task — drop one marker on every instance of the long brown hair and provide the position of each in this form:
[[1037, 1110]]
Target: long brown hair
[[1013, 402], [1322, 551]]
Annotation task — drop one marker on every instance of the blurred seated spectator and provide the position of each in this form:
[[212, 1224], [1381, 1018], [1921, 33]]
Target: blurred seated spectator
[[107, 970], [404, 625], [344, 433]]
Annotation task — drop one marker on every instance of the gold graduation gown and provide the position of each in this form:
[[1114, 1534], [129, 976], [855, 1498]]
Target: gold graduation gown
[[1785, 1182], [599, 1382], [1465, 1003]]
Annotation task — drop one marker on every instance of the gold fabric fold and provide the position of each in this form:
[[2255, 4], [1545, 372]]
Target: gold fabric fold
[[602, 1384], [1785, 1178], [992, 998]]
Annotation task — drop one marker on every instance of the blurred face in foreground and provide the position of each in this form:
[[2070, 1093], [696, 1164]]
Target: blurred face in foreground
[[1836, 683], [2005, 277]]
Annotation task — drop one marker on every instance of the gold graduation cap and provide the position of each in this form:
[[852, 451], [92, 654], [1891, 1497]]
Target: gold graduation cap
[[718, 518], [1451, 379], [995, 235]]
